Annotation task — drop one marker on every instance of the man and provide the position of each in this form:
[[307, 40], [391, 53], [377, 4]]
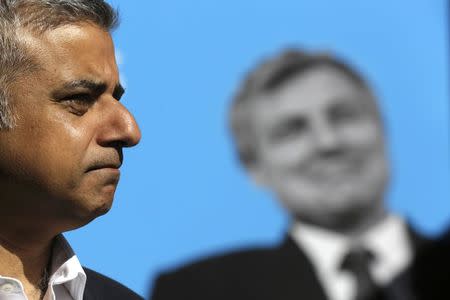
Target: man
[[61, 139], [307, 127]]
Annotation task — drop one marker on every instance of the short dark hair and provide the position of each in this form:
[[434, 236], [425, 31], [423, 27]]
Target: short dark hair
[[266, 77], [38, 16]]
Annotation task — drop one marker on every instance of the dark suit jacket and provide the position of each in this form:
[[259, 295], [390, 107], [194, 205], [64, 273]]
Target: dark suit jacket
[[430, 273], [283, 273], [99, 287]]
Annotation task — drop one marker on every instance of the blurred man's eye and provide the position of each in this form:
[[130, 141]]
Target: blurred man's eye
[[343, 113], [289, 129]]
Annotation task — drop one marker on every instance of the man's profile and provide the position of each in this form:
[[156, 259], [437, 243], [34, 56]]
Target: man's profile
[[62, 131], [307, 127]]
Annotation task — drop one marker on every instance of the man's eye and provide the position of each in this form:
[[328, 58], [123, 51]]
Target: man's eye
[[82, 97], [78, 104], [343, 114], [290, 129]]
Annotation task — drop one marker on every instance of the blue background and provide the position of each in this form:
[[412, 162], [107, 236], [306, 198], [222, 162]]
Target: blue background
[[182, 194]]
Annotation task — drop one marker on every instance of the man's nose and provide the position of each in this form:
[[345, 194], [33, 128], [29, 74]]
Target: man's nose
[[119, 128], [326, 138]]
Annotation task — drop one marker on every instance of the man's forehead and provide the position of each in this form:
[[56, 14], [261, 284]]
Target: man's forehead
[[319, 79], [78, 33], [73, 53], [64, 35], [310, 95], [314, 87]]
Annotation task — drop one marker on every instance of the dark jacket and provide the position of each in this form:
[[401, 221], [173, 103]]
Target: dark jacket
[[431, 271], [280, 273], [99, 287]]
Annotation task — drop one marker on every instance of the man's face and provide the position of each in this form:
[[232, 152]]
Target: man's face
[[320, 146], [63, 157]]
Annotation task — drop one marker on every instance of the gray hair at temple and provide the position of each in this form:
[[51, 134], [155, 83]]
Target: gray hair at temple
[[266, 77], [38, 16]]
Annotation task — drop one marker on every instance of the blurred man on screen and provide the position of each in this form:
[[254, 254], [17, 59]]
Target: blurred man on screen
[[307, 128], [62, 131]]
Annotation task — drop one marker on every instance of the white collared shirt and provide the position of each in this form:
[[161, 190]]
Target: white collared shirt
[[388, 241], [67, 280]]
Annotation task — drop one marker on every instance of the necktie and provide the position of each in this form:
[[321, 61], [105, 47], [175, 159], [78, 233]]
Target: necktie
[[357, 261]]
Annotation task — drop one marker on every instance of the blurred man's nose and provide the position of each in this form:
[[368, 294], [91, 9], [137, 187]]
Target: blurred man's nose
[[325, 137], [120, 127]]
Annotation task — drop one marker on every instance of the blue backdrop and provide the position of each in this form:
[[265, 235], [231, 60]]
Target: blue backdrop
[[182, 194]]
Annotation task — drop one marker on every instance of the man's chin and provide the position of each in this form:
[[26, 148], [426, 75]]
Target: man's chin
[[101, 209], [84, 213]]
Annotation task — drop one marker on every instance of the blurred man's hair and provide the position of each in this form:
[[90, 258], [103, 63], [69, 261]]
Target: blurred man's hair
[[266, 77], [38, 16]]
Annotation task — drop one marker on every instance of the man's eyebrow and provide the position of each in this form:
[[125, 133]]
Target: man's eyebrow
[[118, 92], [94, 86]]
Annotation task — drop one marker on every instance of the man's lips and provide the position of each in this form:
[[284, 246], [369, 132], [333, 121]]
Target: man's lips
[[100, 166]]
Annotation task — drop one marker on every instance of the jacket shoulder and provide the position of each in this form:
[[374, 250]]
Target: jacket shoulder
[[430, 271], [99, 286], [218, 277], [242, 261]]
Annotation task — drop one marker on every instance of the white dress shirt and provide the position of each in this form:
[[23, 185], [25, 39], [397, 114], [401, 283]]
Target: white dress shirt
[[388, 241], [67, 280]]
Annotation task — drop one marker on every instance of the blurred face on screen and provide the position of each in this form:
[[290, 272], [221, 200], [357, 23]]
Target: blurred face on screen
[[321, 147]]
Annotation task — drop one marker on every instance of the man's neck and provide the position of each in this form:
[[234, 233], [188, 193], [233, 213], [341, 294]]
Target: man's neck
[[27, 263]]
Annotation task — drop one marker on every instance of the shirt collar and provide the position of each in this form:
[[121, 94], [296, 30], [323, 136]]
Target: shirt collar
[[66, 269], [326, 248], [390, 234]]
